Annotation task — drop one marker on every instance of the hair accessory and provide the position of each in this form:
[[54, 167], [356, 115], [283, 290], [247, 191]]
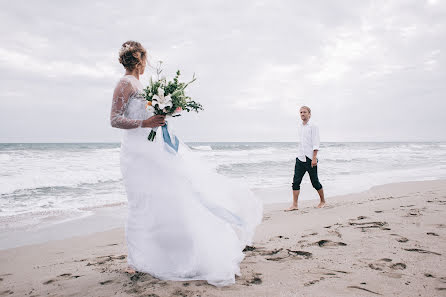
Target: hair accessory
[[125, 48]]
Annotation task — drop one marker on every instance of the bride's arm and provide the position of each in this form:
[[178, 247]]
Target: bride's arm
[[121, 96]]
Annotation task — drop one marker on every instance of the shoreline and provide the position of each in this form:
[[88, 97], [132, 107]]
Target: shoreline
[[113, 216], [389, 240]]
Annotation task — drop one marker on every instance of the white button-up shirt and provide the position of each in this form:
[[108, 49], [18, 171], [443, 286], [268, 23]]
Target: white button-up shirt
[[308, 140]]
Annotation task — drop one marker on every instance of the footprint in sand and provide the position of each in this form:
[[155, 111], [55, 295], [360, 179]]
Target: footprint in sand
[[400, 238], [311, 234], [411, 205], [432, 233], [248, 248], [306, 255], [377, 266], [255, 280], [398, 266], [6, 274], [340, 271], [136, 276], [103, 259], [312, 282], [280, 254], [275, 255], [368, 225], [335, 232], [422, 251], [273, 252], [181, 293], [381, 265], [363, 289], [386, 260], [64, 276], [49, 281], [414, 212], [325, 243]]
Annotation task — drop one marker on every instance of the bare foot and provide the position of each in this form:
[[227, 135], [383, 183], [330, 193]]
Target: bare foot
[[292, 208], [321, 204], [130, 270]]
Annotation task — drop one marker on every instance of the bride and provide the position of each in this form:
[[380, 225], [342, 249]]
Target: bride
[[185, 222]]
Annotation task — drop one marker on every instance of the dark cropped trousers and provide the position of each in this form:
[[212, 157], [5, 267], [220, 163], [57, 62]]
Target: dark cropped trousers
[[299, 171]]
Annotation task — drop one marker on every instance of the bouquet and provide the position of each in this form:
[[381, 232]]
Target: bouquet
[[168, 97]]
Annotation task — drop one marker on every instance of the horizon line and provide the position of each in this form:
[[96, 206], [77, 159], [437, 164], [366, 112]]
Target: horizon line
[[368, 141]]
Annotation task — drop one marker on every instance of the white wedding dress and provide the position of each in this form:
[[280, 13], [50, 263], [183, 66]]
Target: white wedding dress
[[185, 222]]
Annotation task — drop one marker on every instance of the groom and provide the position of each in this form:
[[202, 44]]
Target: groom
[[306, 160]]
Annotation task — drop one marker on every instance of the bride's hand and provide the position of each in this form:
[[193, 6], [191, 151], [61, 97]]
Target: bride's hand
[[153, 122]]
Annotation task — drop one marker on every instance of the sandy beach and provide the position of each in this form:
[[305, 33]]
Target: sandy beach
[[388, 241]]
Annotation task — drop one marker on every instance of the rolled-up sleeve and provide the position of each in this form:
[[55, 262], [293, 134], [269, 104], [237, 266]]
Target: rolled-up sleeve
[[315, 137]]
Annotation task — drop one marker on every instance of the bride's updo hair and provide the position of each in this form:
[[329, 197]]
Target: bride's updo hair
[[131, 54]]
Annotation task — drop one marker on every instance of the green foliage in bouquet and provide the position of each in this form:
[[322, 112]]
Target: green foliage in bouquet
[[168, 97]]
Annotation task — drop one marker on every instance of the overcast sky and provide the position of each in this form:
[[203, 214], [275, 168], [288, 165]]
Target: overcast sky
[[370, 70]]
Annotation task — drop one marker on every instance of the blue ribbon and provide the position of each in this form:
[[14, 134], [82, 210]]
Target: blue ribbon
[[168, 140]]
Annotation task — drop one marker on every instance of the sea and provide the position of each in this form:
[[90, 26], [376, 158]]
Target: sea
[[43, 180]]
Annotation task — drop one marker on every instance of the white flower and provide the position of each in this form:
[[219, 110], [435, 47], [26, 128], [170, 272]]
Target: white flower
[[160, 100]]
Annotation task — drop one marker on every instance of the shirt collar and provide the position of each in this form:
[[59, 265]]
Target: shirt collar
[[307, 125]]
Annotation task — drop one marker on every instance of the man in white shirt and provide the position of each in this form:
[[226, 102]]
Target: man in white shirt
[[306, 160]]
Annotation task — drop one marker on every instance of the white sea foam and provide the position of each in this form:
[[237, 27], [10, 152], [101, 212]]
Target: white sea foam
[[202, 147], [57, 168], [78, 176]]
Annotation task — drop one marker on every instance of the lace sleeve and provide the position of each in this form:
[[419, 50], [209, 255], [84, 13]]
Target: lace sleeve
[[123, 91]]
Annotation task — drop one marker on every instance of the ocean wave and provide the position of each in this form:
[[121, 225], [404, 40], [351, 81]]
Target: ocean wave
[[27, 186], [55, 189], [47, 177], [5, 157], [202, 148], [109, 150], [343, 160], [62, 197]]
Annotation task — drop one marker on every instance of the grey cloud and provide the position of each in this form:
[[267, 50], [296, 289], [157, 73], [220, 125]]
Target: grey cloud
[[365, 67]]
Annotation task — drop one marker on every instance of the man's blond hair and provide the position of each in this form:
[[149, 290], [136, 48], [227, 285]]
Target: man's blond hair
[[307, 108]]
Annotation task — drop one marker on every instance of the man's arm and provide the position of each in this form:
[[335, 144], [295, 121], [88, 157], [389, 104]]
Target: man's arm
[[314, 160]]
